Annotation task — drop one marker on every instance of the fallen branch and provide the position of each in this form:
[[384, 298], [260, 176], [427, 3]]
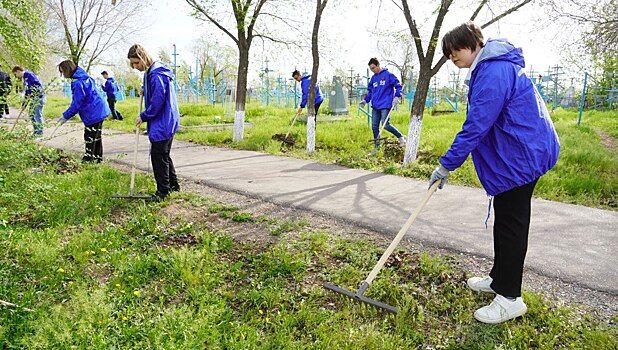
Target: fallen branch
[[7, 304]]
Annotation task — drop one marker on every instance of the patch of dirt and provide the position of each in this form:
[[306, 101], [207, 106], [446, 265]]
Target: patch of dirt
[[100, 273], [608, 141]]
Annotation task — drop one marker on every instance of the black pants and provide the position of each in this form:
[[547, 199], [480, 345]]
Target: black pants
[[94, 143], [111, 101], [316, 107], [163, 167], [511, 227], [4, 107]]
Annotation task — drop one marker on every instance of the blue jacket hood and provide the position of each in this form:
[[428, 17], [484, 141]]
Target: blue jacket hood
[[80, 74], [86, 100], [159, 67]]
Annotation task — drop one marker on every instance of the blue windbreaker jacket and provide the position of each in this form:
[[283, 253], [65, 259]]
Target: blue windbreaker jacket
[[86, 100], [304, 85], [507, 129], [33, 87], [110, 87], [380, 89], [161, 112]]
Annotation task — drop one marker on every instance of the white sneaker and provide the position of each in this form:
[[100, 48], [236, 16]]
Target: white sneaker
[[480, 284], [402, 141], [500, 310]]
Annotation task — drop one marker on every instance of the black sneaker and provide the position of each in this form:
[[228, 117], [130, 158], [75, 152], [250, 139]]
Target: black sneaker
[[175, 188]]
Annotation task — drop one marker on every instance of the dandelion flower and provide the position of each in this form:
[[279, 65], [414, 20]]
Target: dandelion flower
[[61, 270], [136, 292], [103, 250]]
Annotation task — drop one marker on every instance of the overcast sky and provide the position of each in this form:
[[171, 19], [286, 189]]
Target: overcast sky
[[345, 39]]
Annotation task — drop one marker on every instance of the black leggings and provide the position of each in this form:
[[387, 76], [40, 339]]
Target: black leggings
[[511, 227]]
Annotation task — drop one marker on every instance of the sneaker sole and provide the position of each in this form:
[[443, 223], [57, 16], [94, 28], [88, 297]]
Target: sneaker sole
[[519, 313]]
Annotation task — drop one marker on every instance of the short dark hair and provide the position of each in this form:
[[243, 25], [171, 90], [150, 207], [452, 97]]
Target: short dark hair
[[466, 36], [373, 60], [295, 73], [18, 69], [104, 72], [67, 68]]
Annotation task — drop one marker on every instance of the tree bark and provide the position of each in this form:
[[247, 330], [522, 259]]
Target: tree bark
[[311, 122], [241, 90]]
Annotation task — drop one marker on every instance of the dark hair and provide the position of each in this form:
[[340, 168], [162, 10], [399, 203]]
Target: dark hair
[[67, 68], [295, 73], [18, 69], [373, 60], [104, 72], [466, 36]]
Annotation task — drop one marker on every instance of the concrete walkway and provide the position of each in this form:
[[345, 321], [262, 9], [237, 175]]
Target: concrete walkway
[[573, 243]]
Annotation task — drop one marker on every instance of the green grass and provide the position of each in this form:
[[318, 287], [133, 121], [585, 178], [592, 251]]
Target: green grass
[[108, 273], [586, 172]]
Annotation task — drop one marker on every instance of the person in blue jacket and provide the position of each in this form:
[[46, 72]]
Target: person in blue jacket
[[90, 106], [162, 115], [34, 98], [384, 92], [513, 142], [111, 88], [304, 81]]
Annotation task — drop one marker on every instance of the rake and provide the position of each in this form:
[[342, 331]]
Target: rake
[[131, 195], [358, 296], [285, 139]]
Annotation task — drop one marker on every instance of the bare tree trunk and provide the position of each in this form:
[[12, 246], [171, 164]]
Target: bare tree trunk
[[241, 92], [416, 115], [311, 127]]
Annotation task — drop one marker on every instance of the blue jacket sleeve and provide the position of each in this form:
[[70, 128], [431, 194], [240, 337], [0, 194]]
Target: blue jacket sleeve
[[305, 89], [107, 86], [368, 95], [490, 90], [76, 102], [157, 88], [397, 85]]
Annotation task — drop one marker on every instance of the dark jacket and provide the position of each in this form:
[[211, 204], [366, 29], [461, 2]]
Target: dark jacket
[[5, 83], [161, 112], [86, 100]]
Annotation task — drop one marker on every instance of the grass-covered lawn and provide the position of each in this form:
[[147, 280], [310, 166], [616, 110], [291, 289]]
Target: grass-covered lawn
[[89, 271], [586, 172]]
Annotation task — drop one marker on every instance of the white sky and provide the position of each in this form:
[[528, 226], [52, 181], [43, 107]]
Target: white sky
[[345, 40]]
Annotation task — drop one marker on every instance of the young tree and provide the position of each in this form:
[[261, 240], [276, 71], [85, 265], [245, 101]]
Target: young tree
[[320, 5], [90, 27], [426, 63], [22, 33], [245, 14]]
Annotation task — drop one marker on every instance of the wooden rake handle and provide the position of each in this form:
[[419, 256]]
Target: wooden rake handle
[[135, 149], [292, 125], [401, 233]]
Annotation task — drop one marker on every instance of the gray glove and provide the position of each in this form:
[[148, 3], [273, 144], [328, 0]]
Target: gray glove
[[61, 121], [395, 101], [440, 174], [362, 104]]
